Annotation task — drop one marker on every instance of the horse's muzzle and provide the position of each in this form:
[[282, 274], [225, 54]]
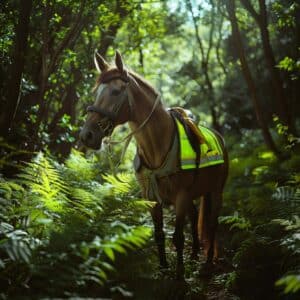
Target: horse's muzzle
[[91, 138]]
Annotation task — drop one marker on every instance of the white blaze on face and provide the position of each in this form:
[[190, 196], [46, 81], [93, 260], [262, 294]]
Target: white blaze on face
[[99, 92]]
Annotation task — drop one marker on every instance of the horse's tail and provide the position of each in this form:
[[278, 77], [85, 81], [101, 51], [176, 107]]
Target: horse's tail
[[204, 224]]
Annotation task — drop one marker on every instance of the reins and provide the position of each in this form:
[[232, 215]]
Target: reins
[[128, 138], [111, 116], [131, 134]]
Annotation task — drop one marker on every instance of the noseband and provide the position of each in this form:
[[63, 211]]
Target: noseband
[[110, 116]]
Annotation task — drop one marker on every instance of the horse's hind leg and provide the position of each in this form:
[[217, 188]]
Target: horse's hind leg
[[178, 236], [193, 216], [204, 217], [216, 203], [157, 217]]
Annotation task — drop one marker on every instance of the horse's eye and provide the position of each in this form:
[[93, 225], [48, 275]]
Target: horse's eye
[[115, 92]]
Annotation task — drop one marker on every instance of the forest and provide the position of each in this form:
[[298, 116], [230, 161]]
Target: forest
[[73, 221]]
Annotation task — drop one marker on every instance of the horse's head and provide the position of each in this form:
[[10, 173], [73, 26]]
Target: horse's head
[[111, 106]]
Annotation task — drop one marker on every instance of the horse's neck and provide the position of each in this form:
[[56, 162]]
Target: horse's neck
[[155, 138]]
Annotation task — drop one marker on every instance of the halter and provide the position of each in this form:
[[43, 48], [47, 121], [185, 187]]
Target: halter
[[110, 116]]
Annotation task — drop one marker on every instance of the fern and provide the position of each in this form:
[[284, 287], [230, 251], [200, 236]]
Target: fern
[[235, 221], [44, 184], [95, 269], [16, 243], [70, 221], [120, 184], [291, 283], [79, 168]]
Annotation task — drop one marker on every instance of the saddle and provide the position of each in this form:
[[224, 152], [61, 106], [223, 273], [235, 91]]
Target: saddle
[[195, 137]]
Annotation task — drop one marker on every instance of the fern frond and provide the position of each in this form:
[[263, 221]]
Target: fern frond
[[8, 187], [121, 183], [235, 221], [85, 201], [79, 167], [291, 283], [17, 244], [44, 181]]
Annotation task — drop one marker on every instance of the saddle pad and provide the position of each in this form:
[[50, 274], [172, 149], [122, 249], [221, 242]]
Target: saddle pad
[[211, 150]]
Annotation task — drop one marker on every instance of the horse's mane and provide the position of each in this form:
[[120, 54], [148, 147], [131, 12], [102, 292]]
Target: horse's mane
[[141, 81]]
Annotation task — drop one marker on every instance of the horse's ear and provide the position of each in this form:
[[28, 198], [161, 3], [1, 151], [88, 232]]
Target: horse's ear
[[119, 61], [100, 63]]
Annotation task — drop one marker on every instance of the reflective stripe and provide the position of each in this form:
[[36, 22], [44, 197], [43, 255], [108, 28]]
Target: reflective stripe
[[186, 151], [211, 151]]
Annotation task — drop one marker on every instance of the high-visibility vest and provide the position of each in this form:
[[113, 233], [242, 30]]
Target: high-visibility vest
[[211, 150]]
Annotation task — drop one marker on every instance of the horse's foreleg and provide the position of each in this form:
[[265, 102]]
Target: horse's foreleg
[[216, 203], [193, 216], [157, 217], [178, 236]]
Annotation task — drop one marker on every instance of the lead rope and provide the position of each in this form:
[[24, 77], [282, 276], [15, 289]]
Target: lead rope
[[128, 138]]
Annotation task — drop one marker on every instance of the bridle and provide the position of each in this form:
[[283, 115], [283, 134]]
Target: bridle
[[111, 116], [107, 124]]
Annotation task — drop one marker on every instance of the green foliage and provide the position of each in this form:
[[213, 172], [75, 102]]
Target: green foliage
[[235, 221], [44, 184], [290, 139], [61, 225], [291, 283], [286, 15], [16, 243], [65, 226], [265, 228], [288, 64]]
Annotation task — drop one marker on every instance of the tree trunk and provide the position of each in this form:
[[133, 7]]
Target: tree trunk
[[230, 4], [204, 61], [271, 64], [218, 45], [261, 19], [12, 94]]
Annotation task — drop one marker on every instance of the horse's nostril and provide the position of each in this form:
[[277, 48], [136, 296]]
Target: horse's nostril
[[86, 136], [89, 136]]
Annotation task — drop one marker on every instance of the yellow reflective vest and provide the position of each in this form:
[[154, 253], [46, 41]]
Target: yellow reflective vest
[[211, 150]]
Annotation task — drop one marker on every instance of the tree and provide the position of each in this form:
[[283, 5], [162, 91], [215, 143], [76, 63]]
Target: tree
[[230, 5], [261, 18], [205, 59], [11, 96]]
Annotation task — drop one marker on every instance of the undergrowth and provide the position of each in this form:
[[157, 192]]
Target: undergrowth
[[79, 228], [64, 226], [261, 214]]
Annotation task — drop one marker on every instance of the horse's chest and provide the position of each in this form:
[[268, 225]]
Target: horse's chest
[[162, 189], [154, 188]]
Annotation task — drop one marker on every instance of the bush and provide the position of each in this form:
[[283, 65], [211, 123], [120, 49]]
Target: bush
[[63, 226]]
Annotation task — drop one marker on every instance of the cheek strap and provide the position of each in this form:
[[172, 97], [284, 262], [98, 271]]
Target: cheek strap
[[113, 114]]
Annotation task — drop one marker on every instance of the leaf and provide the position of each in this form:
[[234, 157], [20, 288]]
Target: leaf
[[109, 252], [291, 283], [120, 183]]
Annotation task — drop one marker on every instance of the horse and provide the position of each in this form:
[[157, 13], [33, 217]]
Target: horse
[[122, 96]]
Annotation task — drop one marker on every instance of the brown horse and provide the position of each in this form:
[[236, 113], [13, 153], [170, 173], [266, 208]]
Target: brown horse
[[122, 96]]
